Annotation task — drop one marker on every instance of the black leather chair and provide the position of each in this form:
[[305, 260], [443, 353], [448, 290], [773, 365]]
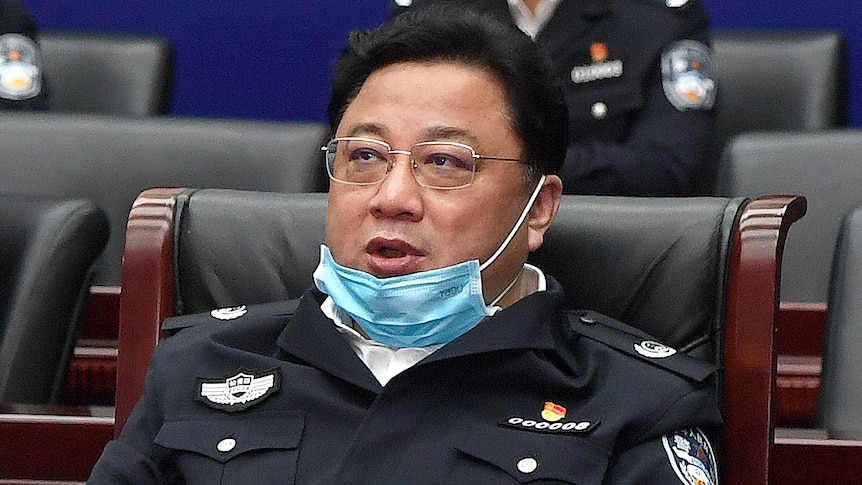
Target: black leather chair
[[47, 250], [840, 403], [111, 159], [826, 167], [118, 74], [780, 80], [687, 270]]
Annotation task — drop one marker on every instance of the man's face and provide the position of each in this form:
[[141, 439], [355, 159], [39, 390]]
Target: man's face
[[397, 226]]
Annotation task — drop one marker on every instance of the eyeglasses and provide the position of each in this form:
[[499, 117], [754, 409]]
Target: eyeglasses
[[435, 164]]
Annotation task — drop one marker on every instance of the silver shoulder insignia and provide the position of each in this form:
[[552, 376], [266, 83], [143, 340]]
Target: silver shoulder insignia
[[654, 350], [229, 313]]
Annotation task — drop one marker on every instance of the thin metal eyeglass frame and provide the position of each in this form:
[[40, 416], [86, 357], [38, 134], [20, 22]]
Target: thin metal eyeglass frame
[[413, 164]]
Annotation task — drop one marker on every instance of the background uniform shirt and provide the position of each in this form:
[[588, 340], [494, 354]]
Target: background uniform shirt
[[631, 131]]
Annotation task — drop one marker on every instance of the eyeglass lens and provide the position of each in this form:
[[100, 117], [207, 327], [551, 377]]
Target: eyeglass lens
[[435, 164]]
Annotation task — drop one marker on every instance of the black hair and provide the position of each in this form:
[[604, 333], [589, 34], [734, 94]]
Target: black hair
[[451, 32]]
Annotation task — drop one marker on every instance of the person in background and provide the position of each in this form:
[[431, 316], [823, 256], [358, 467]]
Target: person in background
[[21, 81], [428, 351], [639, 86]]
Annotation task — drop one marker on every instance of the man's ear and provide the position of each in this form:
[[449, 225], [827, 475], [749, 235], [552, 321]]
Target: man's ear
[[543, 211]]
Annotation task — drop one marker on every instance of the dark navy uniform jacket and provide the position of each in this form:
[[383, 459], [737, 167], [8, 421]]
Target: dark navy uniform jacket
[[627, 136], [15, 19], [521, 398]]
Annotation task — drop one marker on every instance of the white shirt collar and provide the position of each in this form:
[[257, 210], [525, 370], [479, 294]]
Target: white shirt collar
[[528, 22], [383, 361]]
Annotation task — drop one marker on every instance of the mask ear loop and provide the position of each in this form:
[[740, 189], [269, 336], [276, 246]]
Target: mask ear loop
[[514, 230], [509, 239]]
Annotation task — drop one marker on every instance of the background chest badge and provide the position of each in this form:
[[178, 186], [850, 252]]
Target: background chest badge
[[239, 391], [600, 66]]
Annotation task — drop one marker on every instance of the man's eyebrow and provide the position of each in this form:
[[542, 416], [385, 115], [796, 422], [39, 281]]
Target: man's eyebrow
[[449, 133], [441, 132], [367, 129]]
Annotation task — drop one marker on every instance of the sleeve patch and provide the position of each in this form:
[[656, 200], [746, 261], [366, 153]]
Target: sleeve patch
[[687, 77], [691, 457], [20, 67]]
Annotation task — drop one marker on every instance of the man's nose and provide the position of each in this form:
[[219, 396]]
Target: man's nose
[[399, 194]]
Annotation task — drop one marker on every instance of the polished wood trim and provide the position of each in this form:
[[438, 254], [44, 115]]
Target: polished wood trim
[[812, 457], [38, 482], [798, 386], [52, 442], [801, 326], [750, 354], [101, 313], [149, 291], [93, 374]]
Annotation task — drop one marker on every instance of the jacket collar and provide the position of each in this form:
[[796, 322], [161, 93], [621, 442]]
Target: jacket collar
[[531, 323]]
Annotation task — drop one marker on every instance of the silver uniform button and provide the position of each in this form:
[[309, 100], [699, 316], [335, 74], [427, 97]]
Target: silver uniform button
[[587, 320], [527, 465], [599, 110], [226, 445]]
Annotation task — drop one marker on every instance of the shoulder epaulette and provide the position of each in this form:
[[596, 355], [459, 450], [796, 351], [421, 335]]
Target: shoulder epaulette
[[638, 344], [173, 325]]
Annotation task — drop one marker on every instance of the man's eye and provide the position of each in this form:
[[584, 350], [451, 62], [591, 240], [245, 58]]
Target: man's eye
[[366, 155], [446, 161]]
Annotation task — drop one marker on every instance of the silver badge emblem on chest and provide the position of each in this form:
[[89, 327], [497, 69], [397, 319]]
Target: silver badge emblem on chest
[[237, 392]]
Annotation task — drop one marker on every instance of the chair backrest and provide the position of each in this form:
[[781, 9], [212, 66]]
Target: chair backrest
[[118, 74], [840, 400], [683, 268], [824, 166], [111, 159], [47, 251], [780, 80]]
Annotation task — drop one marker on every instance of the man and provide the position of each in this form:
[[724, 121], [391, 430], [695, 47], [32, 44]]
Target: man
[[429, 352], [21, 84], [639, 86]]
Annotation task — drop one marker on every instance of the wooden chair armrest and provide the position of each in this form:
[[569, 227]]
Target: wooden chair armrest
[[750, 352], [147, 295]]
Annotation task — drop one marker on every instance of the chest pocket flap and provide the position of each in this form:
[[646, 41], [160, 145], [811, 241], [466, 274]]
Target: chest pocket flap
[[232, 435], [605, 102], [529, 456]]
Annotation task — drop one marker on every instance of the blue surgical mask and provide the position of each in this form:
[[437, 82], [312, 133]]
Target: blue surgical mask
[[417, 309]]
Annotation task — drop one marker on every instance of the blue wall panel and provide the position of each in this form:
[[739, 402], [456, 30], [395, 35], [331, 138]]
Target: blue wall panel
[[273, 59]]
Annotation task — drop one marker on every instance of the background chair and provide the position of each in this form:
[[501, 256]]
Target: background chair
[[826, 167], [840, 410], [830, 452], [111, 159], [47, 251], [190, 251], [128, 75], [780, 80]]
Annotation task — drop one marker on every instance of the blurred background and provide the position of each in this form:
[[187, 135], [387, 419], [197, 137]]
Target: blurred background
[[269, 60]]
